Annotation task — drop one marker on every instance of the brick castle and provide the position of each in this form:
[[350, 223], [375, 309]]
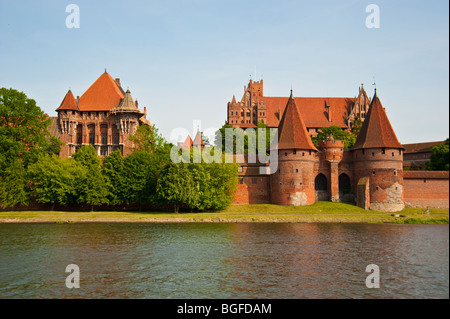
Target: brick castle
[[370, 173], [104, 116]]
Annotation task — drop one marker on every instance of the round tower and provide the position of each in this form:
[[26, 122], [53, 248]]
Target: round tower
[[333, 152], [378, 163], [293, 182]]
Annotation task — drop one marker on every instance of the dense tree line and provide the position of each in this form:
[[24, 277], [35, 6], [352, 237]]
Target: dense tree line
[[440, 158], [30, 169]]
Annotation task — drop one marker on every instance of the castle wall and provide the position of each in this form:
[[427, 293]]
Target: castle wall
[[293, 183], [253, 190], [384, 169], [426, 189]]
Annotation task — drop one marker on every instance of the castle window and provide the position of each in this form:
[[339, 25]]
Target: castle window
[[91, 138], [242, 122], [392, 153], [254, 180], [383, 151], [377, 188], [295, 152], [285, 154], [104, 138], [309, 152], [242, 113], [296, 170], [79, 139], [73, 112], [363, 152], [241, 181], [395, 173], [303, 154], [373, 172], [373, 154], [116, 138], [240, 169], [104, 150]]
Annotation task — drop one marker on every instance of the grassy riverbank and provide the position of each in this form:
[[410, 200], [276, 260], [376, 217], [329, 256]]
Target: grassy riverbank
[[319, 212]]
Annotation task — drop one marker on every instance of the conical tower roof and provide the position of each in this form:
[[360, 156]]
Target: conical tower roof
[[198, 141], [68, 103], [376, 131], [103, 95], [292, 133]]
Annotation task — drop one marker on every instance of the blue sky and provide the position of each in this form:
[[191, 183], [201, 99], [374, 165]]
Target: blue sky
[[185, 59]]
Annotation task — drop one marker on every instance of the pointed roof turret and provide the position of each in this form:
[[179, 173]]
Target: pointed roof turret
[[292, 133], [233, 101], [127, 105], [376, 130], [103, 95], [198, 141], [68, 103]]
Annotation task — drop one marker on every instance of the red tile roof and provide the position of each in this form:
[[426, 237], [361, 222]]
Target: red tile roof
[[312, 109], [421, 147], [292, 133], [103, 95], [68, 102], [376, 130]]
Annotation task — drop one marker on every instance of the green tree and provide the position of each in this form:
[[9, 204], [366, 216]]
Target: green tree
[[356, 126], [23, 129], [222, 185], [334, 132], [140, 177], [14, 189], [56, 180], [439, 160], [176, 186], [113, 168], [147, 139], [94, 188]]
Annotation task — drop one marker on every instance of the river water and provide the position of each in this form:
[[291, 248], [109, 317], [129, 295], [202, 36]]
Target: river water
[[251, 260]]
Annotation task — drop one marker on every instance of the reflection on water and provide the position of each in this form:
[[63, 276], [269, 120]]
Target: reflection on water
[[224, 260]]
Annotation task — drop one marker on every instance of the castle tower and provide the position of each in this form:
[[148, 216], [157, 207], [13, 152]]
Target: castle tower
[[127, 118], [293, 182], [378, 163], [67, 123], [333, 152]]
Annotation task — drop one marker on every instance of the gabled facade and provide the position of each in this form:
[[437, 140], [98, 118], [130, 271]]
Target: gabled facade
[[317, 112], [104, 116]]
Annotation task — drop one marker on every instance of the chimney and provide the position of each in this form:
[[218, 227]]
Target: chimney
[[136, 103], [145, 111], [328, 107], [118, 81], [78, 99]]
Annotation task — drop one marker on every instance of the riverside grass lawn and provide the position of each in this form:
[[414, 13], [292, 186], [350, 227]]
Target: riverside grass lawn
[[325, 212]]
